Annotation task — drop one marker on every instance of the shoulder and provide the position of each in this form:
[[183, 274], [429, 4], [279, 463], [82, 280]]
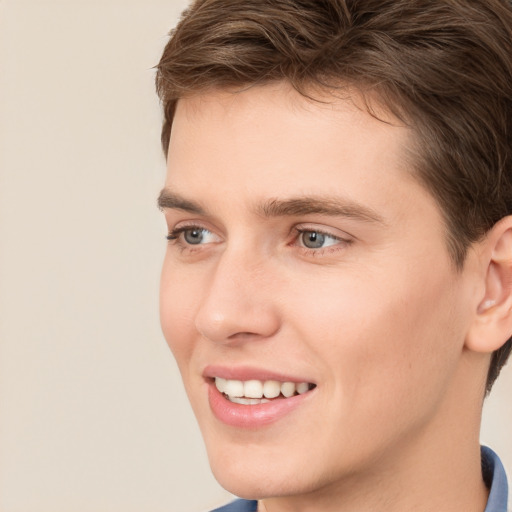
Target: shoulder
[[239, 506]]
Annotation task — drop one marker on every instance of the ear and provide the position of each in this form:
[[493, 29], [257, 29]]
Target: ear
[[492, 324]]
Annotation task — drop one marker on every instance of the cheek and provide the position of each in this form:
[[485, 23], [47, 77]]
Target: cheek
[[178, 301], [381, 342]]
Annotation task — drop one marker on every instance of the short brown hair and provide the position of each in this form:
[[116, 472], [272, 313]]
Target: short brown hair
[[444, 67]]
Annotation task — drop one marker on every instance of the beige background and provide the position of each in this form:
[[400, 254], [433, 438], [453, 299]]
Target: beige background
[[92, 412]]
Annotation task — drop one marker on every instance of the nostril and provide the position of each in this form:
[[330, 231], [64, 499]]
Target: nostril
[[244, 335]]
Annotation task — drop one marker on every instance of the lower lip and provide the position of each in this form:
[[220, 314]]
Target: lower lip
[[251, 416]]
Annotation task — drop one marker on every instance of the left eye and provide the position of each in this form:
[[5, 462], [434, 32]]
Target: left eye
[[193, 235], [316, 239]]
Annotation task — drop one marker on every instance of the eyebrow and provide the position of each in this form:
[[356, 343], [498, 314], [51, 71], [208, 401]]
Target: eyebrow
[[321, 205], [293, 207], [170, 200]]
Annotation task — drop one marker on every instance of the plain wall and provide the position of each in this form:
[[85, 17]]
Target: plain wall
[[93, 415]]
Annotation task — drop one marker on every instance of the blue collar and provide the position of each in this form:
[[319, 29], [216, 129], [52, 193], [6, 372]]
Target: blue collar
[[239, 506], [492, 470], [496, 480]]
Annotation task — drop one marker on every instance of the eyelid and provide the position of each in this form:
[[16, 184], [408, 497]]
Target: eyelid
[[189, 224], [327, 231]]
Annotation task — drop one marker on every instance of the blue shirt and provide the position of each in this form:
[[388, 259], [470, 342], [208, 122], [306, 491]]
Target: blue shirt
[[493, 473]]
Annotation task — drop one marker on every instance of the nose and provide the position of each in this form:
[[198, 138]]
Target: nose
[[239, 304]]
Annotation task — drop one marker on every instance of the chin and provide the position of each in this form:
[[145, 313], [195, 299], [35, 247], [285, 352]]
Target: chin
[[261, 475], [241, 471], [253, 486], [247, 488]]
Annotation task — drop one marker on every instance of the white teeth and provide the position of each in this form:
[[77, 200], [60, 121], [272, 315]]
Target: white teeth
[[302, 387], [251, 392], [220, 383], [271, 389], [288, 389], [234, 388], [253, 389]]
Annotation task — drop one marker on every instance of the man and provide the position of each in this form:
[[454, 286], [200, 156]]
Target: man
[[337, 289]]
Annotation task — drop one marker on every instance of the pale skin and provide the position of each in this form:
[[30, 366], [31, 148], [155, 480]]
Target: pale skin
[[396, 339]]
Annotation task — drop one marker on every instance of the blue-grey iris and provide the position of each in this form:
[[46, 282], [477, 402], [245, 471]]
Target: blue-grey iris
[[313, 239], [193, 236]]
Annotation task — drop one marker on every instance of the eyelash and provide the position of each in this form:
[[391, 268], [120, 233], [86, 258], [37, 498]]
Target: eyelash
[[175, 233], [175, 238]]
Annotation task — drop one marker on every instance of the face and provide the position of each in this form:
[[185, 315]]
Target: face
[[307, 293]]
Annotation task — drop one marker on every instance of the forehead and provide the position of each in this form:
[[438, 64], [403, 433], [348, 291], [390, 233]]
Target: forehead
[[231, 152], [277, 102], [272, 131]]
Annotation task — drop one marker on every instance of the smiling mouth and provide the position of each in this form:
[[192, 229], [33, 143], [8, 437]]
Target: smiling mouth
[[254, 392]]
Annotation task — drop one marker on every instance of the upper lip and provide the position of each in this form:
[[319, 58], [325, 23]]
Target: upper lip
[[245, 373]]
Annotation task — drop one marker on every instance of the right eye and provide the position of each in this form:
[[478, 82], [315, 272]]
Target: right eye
[[317, 239]]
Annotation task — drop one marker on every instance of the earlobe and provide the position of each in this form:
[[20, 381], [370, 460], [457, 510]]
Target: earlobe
[[492, 324]]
